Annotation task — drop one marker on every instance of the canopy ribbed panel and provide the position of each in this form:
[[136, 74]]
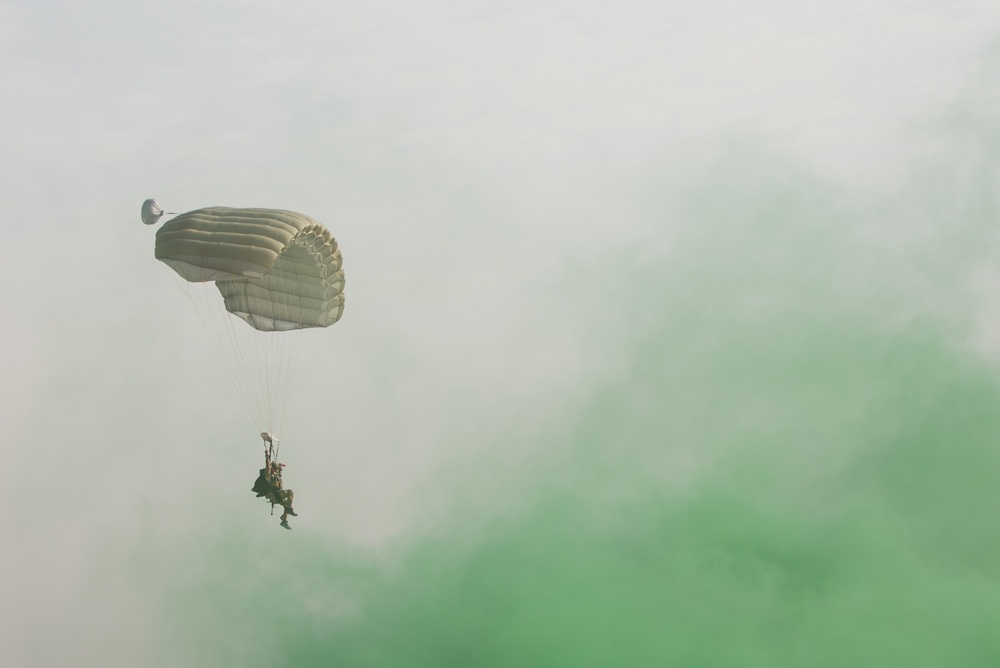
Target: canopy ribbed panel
[[278, 270]]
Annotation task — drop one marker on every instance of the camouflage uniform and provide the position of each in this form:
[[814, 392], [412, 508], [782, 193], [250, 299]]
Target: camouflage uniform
[[269, 484], [286, 499]]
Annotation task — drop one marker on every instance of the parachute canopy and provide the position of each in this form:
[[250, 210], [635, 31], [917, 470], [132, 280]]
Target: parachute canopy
[[277, 270]]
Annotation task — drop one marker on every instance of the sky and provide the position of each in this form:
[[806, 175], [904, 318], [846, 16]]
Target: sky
[[672, 334]]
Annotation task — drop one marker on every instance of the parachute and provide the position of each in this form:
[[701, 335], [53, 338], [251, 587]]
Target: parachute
[[151, 212], [279, 272]]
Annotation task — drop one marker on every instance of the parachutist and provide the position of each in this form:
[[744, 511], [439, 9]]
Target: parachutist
[[269, 485]]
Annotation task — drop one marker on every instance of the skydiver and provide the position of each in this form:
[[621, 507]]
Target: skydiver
[[269, 484]]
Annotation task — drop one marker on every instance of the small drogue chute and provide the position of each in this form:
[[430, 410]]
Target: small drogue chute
[[151, 212]]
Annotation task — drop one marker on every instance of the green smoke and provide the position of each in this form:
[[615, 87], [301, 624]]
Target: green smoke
[[792, 463]]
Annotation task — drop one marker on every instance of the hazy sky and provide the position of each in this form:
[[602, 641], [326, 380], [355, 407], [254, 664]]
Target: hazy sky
[[672, 334]]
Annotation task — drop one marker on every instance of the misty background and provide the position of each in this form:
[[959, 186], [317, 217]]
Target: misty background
[[672, 334]]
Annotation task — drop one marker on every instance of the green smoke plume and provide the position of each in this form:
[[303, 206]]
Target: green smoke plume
[[792, 462]]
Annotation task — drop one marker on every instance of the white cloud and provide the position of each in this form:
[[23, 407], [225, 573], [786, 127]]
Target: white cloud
[[464, 154]]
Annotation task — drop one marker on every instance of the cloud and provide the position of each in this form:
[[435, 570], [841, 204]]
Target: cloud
[[632, 365], [786, 458]]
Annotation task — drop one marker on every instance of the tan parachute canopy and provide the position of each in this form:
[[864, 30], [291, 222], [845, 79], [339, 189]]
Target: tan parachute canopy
[[278, 270]]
